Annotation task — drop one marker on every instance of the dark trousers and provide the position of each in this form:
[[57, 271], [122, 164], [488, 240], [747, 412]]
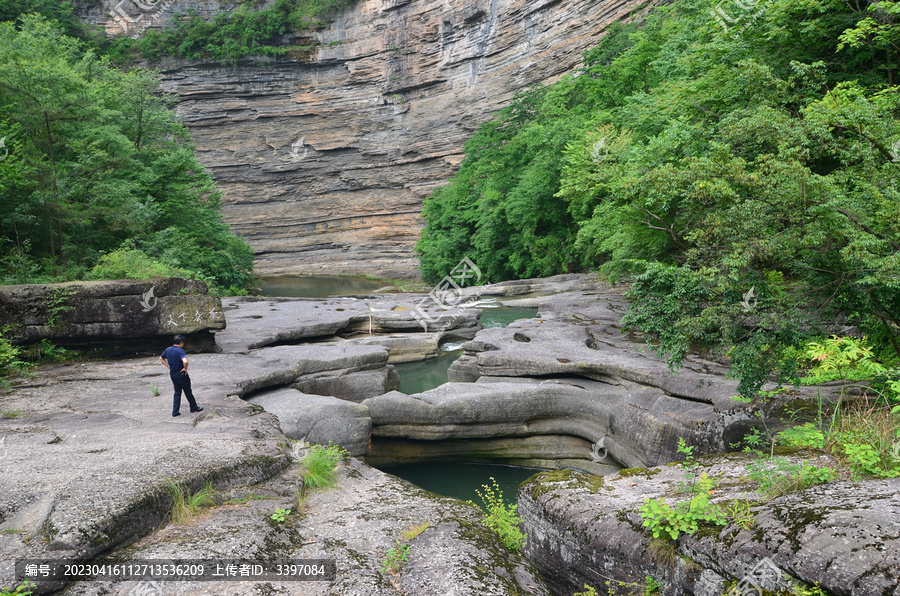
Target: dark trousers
[[182, 382]]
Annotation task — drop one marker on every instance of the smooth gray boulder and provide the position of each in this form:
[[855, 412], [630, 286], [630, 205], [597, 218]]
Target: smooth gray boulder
[[318, 419], [351, 385], [843, 536]]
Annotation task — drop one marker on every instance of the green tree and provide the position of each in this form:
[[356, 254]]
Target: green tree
[[96, 162], [745, 177]]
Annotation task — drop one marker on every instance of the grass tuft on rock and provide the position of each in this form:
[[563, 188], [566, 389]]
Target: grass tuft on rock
[[185, 504], [320, 466]]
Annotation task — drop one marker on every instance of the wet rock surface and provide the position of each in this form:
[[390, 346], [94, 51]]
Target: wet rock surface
[[843, 535]]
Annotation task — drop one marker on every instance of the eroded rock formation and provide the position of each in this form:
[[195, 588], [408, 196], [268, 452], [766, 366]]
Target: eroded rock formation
[[568, 374], [355, 525], [325, 158], [411, 332]]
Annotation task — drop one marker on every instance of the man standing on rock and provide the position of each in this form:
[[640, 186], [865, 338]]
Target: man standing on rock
[[176, 361]]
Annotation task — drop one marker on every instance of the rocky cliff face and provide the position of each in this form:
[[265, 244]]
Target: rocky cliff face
[[325, 160]]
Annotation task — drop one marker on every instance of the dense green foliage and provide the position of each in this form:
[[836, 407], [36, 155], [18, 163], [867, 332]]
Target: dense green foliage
[[229, 35], [706, 163], [54, 10], [98, 177], [686, 517]]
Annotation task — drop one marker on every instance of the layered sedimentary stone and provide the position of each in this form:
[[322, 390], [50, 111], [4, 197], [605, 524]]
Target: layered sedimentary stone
[[120, 313], [568, 374], [409, 331], [325, 155], [635, 425], [538, 451]]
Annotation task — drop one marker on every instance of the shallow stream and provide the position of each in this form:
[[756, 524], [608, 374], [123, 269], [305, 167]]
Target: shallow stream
[[416, 377]]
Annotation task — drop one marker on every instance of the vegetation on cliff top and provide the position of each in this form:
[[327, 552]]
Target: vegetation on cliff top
[[97, 177], [745, 177], [228, 36]]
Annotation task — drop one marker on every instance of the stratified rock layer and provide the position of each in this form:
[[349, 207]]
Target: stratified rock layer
[[571, 383], [395, 322], [325, 159]]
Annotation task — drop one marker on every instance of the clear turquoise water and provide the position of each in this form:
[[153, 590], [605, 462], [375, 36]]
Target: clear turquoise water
[[459, 480], [416, 377], [492, 318]]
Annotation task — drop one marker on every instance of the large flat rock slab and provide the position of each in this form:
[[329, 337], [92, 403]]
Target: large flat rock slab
[[87, 450], [313, 366], [410, 325], [354, 524]]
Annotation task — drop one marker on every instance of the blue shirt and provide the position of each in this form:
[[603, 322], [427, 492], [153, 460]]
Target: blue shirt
[[173, 355]]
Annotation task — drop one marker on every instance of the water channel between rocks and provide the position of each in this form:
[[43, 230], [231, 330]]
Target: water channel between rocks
[[459, 480]]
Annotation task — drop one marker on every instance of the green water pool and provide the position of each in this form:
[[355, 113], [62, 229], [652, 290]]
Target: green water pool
[[461, 480], [317, 286]]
